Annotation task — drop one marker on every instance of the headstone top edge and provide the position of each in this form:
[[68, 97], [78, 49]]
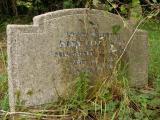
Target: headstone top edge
[[13, 29], [37, 20], [14, 26], [40, 19]]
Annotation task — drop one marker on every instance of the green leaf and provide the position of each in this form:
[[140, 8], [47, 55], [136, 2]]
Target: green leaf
[[155, 102], [68, 4], [4, 103], [105, 94], [139, 115], [116, 29], [136, 9], [123, 9], [135, 2], [157, 84], [150, 113], [110, 106]]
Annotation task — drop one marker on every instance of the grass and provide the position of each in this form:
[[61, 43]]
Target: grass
[[3, 92], [153, 28], [115, 100]]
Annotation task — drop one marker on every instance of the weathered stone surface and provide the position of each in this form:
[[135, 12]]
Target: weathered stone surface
[[138, 60], [45, 57]]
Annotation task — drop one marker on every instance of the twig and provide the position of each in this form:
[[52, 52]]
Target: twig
[[42, 111], [124, 50], [117, 12], [30, 114], [126, 46]]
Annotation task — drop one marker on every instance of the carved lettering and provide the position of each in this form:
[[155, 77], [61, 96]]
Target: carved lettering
[[73, 53], [68, 44], [82, 52]]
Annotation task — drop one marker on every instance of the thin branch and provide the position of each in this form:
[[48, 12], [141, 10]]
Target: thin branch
[[6, 114], [124, 50], [117, 12]]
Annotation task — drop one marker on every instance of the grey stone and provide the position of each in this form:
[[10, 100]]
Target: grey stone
[[45, 57]]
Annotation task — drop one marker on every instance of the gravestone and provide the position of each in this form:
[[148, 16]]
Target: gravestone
[[45, 57]]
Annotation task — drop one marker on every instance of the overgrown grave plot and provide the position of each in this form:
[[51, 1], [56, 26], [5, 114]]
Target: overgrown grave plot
[[86, 41], [112, 100]]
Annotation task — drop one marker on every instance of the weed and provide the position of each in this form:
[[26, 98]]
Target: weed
[[80, 89], [153, 28], [4, 104]]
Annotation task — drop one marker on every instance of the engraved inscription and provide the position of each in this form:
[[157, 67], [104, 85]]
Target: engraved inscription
[[83, 52]]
